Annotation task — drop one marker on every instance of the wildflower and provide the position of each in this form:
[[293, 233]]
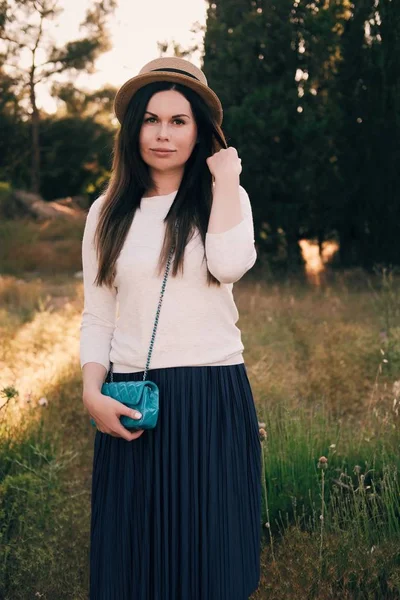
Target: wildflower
[[10, 392], [332, 446], [43, 401], [356, 469], [262, 434], [396, 388], [322, 463]]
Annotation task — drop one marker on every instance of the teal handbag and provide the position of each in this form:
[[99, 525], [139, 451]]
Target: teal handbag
[[140, 395]]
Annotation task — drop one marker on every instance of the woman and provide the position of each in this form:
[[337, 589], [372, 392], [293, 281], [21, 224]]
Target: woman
[[175, 509]]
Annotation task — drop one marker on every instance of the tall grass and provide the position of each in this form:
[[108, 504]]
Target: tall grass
[[330, 468], [326, 384], [48, 247]]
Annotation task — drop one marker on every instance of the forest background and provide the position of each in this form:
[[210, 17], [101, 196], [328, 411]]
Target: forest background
[[311, 96]]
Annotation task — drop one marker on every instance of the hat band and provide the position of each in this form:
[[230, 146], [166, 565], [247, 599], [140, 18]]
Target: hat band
[[178, 71]]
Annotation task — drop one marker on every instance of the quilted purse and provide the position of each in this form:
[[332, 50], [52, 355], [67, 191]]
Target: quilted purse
[[140, 395]]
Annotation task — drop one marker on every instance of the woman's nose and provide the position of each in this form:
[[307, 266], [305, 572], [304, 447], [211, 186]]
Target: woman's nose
[[163, 131]]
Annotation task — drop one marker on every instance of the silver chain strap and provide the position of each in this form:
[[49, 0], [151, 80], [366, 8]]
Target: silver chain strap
[[153, 335]]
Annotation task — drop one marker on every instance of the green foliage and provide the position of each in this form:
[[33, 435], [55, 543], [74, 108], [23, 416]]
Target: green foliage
[[14, 146], [75, 156], [256, 84], [35, 516], [26, 517], [362, 491], [311, 100], [32, 40], [5, 193]]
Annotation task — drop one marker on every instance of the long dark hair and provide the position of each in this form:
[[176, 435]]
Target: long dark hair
[[131, 178]]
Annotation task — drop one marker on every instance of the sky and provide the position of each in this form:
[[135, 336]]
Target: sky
[[135, 29]]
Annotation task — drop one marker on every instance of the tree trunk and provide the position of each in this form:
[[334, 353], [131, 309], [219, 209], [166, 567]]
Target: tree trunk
[[35, 124]]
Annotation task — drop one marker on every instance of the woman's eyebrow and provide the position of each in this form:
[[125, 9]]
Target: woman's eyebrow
[[173, 116]]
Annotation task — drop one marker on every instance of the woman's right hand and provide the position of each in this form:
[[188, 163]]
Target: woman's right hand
[[106, 413]]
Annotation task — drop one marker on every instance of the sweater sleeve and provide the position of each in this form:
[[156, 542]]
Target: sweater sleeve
[[99, 312], [232, 253]]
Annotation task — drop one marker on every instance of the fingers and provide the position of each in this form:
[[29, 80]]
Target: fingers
[[121, 431], [124, 433], [129, 412], [117, 429], [136, 434]]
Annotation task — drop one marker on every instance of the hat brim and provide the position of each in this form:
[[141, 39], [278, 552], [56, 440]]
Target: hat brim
[[130, 87]]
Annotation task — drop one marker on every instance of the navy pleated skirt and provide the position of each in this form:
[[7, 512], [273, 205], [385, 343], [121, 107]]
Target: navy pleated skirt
[[176, 513]]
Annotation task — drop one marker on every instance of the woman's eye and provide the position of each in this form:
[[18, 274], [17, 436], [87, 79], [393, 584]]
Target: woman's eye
[[154, 118]]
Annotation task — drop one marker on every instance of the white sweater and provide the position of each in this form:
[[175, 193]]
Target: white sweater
[[197, 322]]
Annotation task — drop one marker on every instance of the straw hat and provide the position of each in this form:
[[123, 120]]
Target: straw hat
[[168, 68]]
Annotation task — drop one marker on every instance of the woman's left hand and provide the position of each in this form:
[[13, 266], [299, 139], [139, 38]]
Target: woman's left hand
[[225, 163]]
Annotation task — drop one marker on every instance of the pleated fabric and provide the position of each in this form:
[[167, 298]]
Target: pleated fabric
[[176, 513]]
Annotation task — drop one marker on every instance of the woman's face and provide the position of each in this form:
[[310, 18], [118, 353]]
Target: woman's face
[[168, 124]]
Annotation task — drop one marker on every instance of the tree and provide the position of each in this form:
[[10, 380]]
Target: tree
[[14, 138], [77, 103], [318, 177], [251, 59], [24, 32], [311, 99], [368, 138], [76, 156]]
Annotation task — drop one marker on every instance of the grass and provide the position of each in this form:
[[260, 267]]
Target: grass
[[324, 367], [56, 246]]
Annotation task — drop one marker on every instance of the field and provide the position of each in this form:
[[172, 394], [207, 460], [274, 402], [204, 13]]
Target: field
[[323, 358]]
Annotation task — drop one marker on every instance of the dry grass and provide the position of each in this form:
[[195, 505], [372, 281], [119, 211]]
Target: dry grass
[[50, 247], [304, 346], [39, 334], [309, 345]]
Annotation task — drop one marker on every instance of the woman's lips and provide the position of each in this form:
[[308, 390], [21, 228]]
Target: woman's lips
[[163, 152]]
